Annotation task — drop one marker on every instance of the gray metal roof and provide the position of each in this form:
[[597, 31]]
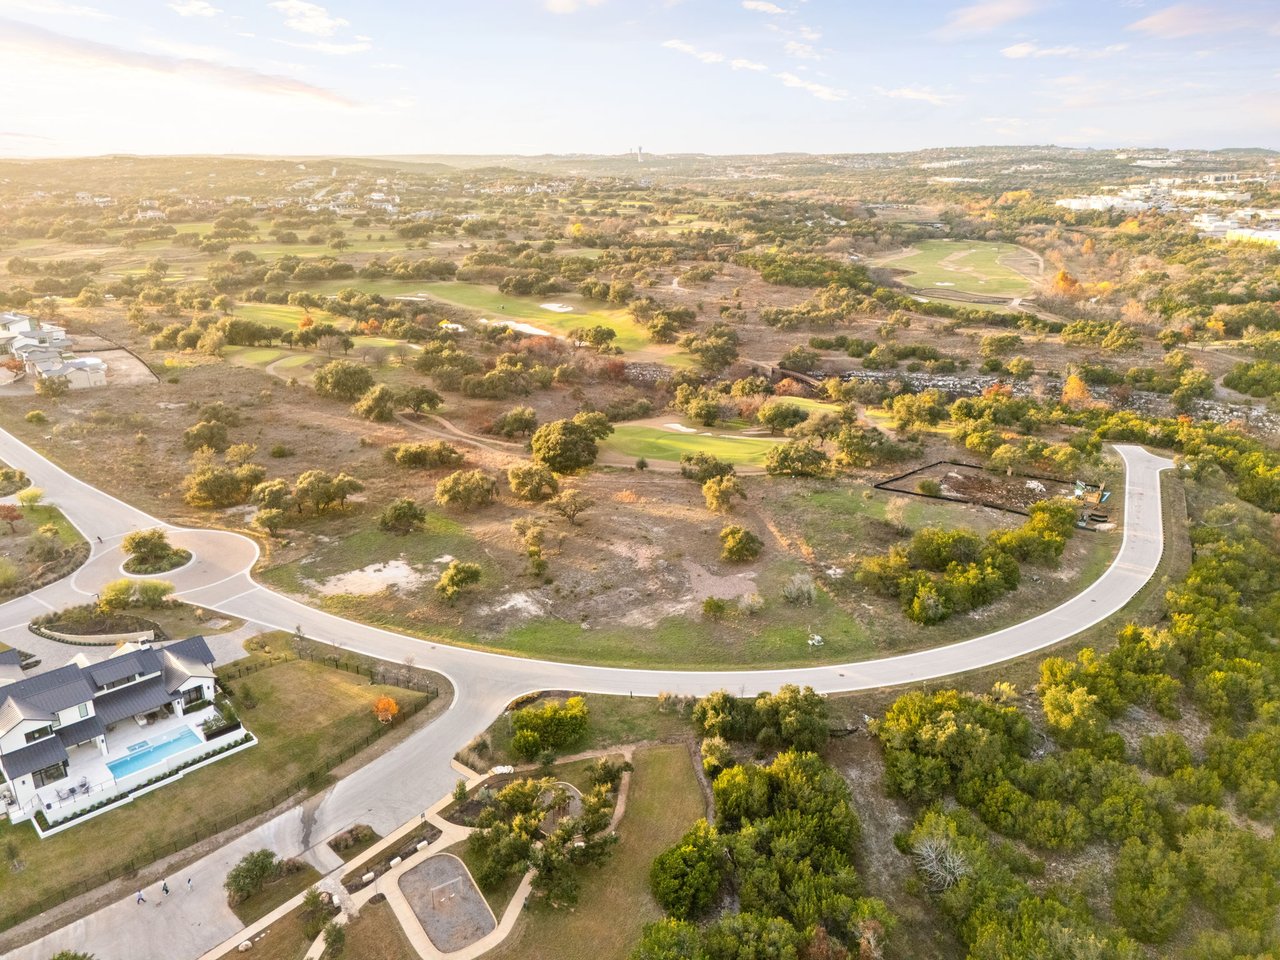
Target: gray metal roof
[[115, 705], [52, 691], [10, 656], [41, 754], [192, 647], [123, 666], [80, 731]]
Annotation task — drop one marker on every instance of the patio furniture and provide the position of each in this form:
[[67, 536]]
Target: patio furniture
[[62, 794], [84, 784]]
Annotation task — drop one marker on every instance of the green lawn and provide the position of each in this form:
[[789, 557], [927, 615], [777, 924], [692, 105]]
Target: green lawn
[[631, 336], [306, 714], [970, 266], [663, 802], [656, 443], [44, 513]]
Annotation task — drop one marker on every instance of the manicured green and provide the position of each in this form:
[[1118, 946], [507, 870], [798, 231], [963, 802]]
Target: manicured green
[[656, 443], [969, 266]]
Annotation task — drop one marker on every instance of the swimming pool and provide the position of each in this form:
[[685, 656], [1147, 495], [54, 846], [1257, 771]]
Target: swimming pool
[[148, 753]]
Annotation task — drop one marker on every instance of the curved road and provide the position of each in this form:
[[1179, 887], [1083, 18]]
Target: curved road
[[404, 781]]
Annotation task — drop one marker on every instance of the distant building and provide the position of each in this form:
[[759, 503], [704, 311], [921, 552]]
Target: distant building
[[1249, 235], [1104, 203]]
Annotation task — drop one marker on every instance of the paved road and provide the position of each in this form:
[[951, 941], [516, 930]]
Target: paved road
[[406, 780]]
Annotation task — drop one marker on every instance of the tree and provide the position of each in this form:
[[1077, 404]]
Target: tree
[[207, 433], [335, 940], [739, 545], [385, 709], [713, 349], [1075, 393], [532, 482], [52, 387], [402, 516], [30, 497], [686, 877], [1150, 891], [378, 404], [272, 495], [11, 515], [153, 594], [418, 399], [148, 547], [269, 519], [565, 446], [116, 596], [718, 492], [516, 422], [570, 504], [321, 490], [342, 380], [780, 416], [796, 458], [457, 576], [467, 490], [250, 874], [429, 455]]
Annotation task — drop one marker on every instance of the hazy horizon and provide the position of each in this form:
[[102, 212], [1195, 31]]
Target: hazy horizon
[[599, 77]]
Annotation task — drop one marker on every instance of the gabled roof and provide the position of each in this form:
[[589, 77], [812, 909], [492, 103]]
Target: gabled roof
[[194, 647], [123, 666], [80, 731], [41, 754], [43, 695], [10, 656], [184, 660]]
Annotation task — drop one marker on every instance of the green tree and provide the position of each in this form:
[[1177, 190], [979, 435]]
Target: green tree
[[270, 519], [466, 490], [250, 874], [796, 458], [457, 576], [686, 877], [149, 547], [739, 545], [207, 433], [342, 380], [1150, 891], [564, 445], [780, 416], [401, 516], [378, 404], [570, 504], [719, 493], [532, 482]]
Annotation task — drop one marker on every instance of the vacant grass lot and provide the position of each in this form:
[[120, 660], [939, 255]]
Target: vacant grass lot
[[306, 714], [284, 940], [970, 266], [278, 891], [663, 802], [376, 935]]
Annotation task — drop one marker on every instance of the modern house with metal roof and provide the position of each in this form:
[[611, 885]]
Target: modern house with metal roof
[[74, 737]]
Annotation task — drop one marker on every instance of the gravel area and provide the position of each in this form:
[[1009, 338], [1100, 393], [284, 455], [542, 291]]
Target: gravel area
[[447, 902]]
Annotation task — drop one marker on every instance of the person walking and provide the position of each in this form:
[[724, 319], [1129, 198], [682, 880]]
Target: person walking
[[141, 898], [188, 884], [164, 887]]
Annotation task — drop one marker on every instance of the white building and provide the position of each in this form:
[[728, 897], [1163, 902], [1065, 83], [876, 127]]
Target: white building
[[1104, 203]]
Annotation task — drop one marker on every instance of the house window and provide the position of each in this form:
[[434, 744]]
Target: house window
[[194, 695], [40, 734], [50, 774], [84, 710]]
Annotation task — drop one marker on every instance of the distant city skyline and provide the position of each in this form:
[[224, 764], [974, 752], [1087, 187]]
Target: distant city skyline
[[293, 77]]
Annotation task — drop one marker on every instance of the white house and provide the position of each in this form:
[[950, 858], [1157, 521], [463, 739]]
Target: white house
[[79, 372], [85, 733]]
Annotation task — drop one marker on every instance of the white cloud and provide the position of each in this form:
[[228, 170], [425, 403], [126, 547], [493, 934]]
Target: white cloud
[[194, 8], [359, 45], [309, 18], [57, 7], [923, 94], [985, 16], [1188, 20], [801, 51], [740, 64], [571, 6], [1025, 50], [91, 55], [706, 56], [808, 33], [819, 90], [763, 6]]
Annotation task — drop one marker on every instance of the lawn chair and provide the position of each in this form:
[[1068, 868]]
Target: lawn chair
[[62, 794]]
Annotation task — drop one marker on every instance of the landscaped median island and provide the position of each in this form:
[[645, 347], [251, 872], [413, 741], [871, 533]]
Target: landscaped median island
[[38, 545], [307, 717]]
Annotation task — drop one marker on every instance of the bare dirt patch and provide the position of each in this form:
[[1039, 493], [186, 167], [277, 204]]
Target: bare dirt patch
[[371, 579], [447, 903]]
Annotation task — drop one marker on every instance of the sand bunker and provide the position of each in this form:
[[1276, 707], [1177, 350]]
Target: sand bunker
[[678, 428], [371, 579], [557, 307], [520, 327]]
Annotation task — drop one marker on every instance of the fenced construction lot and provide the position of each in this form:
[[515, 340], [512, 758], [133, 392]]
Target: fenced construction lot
[[967, 266]]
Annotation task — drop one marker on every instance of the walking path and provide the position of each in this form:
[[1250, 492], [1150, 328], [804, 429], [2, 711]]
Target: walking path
[[398, 785]]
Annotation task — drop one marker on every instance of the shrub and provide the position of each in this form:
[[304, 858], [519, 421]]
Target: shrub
[[552, 726], [739, 545], [36, 416], [250, 875]]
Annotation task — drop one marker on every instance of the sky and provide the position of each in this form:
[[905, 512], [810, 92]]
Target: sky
[[340, 77]]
